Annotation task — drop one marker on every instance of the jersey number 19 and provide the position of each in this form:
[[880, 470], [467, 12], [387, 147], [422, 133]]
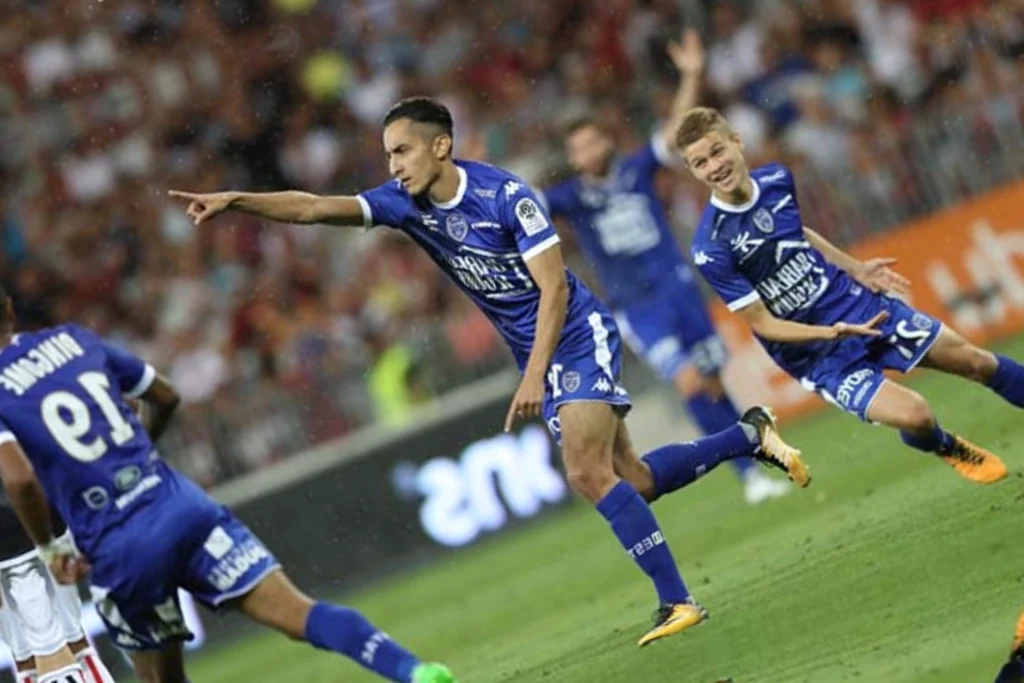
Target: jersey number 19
[[69, 420]]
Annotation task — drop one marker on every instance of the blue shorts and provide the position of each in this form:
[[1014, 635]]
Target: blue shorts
[[852, 373], [190, 542], [586, 371], [671, 329]]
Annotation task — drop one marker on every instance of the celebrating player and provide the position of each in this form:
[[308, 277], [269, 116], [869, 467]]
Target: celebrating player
[[41, 620], [485, 228], [618, 219], [145, 529], [793, 288]]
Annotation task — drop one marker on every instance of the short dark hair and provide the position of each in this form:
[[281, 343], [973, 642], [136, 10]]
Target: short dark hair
[[580, 122], [422, 110]]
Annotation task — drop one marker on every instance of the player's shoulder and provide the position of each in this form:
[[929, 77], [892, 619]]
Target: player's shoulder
[[772, 174], [493, 182]]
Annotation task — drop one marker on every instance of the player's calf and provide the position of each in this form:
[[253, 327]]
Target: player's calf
[[277, 603], [899, 407]]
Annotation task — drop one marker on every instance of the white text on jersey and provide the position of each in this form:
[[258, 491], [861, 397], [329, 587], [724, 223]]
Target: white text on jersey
[[43, 360]]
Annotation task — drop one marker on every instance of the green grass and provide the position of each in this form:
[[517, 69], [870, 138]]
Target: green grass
[[890, 568]]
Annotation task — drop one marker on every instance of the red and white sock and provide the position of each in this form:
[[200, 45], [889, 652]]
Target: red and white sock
[[94, 668]]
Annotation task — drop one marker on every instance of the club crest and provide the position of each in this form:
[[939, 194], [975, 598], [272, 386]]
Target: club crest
[[457, 227], [763, 221]]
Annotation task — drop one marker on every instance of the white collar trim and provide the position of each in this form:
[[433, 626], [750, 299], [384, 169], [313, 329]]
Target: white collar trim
[[739, 208], [459, 193]]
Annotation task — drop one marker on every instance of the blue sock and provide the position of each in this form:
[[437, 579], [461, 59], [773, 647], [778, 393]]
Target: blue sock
[[679, 464], [347, 632], [937, 440], [716, 415], [1008, 380], [637, 530]]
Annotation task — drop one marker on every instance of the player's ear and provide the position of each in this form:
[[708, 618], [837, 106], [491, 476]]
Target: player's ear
[[443, 146]]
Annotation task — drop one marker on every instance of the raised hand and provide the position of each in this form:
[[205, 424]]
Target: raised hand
[[687, 54], [202, 207]]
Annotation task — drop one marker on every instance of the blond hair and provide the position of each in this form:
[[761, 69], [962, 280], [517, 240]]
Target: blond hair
[[698, 122]]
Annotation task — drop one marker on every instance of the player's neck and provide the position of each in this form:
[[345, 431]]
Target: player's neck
[[739, 195], [446, 187]]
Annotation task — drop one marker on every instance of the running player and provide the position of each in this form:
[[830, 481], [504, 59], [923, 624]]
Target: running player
[[41, 620], [615, 213], [793, 287], [144, 529], [486, 229]]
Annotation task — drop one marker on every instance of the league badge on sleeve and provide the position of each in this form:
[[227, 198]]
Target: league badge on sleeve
[[530, 216]]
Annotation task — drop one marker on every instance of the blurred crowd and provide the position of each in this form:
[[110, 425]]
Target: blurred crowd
[[104, 106]]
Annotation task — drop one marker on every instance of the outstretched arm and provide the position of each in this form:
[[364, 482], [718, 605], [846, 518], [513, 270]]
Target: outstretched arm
[[288, 207], [688, 58], [875, 274], [767, 326]]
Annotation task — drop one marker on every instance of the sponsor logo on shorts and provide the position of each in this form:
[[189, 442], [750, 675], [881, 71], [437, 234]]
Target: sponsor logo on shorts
[[849, 395], [218, 543], [236, 564], [602, 385]]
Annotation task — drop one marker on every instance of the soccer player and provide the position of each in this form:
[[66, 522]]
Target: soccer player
[[1013, 670], [486, 229], [619, 221], [144, 529], [793, 287], [41, 620]]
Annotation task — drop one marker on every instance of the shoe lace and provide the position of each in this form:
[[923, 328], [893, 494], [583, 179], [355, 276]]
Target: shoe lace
[[965, 453], [662, 614]]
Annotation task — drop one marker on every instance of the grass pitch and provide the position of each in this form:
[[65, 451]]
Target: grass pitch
[[888, 569]]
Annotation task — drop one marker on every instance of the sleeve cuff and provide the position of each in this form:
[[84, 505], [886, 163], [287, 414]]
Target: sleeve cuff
[[540, 247], [7, 437], [144, 383], [367, 212], [664, 155], [743, 301]]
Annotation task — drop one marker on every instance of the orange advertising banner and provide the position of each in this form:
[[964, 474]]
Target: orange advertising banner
[[966, 264]]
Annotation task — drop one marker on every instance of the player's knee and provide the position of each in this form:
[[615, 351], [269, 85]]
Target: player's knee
[[917, 414], [591, 482], [980, 364]]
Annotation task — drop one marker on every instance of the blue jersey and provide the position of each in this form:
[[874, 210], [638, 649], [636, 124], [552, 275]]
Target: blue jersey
[[146, 530], [758, 252], [482, 239], [62, 394], [622, 227]]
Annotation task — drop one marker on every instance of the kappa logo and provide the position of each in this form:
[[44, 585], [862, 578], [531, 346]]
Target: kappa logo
[[700, 258], [457, 227], [511, 188], [571, 381], [745, 245], [602, 385]]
